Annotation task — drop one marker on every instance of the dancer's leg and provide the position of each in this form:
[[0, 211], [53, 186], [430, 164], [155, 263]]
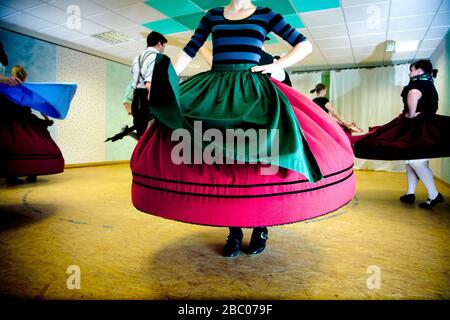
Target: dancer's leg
[[425, 174], [412, 178]]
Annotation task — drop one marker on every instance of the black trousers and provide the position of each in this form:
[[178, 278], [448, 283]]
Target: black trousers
[[140, 109]]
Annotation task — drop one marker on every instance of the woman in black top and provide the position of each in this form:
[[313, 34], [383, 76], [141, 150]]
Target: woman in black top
[[415, 136], [322, 101]]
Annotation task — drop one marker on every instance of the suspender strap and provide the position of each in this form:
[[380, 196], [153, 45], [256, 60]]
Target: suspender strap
[[141, 61]]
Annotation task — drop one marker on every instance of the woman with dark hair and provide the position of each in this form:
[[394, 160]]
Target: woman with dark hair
[[417, 135], [322, 101]]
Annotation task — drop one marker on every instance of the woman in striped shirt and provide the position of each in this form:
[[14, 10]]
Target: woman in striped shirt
[[314, 162]]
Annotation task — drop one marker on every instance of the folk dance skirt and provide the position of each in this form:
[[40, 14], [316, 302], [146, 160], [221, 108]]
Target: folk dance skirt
[[314, 170]]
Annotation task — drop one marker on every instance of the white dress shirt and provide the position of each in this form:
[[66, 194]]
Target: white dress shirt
[[148, 57]]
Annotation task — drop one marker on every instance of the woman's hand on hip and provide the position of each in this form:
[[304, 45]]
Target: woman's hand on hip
[[267, 68]]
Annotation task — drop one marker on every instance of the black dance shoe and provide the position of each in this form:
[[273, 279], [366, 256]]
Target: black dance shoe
[[258, 241], [233, 245], [432, 203], [408, 198]]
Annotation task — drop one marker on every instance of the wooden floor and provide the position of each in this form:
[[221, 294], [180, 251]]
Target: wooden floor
[[84, 218]]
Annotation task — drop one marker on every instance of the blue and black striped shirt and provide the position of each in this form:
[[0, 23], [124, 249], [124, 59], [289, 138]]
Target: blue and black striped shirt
[[240, 41]]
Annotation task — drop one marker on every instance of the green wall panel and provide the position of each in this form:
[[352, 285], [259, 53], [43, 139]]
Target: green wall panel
[[117, 78]]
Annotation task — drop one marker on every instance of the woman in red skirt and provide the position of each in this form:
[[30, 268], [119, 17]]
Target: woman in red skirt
[[26, 147], [417, 135], [313, 172]]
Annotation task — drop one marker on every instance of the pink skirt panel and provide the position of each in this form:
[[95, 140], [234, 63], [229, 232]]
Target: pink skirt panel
[[238, 195]]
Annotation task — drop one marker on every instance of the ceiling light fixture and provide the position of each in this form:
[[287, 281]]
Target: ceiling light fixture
[[113, 37], [390, 46], [402, 46]]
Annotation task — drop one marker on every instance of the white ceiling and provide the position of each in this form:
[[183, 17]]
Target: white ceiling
[[350, 36]]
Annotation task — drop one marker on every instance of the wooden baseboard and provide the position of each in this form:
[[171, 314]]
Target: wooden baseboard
[[95, 164]]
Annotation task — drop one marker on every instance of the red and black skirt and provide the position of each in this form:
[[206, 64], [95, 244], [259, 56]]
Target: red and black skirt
[[26, 147], [423, 137]]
